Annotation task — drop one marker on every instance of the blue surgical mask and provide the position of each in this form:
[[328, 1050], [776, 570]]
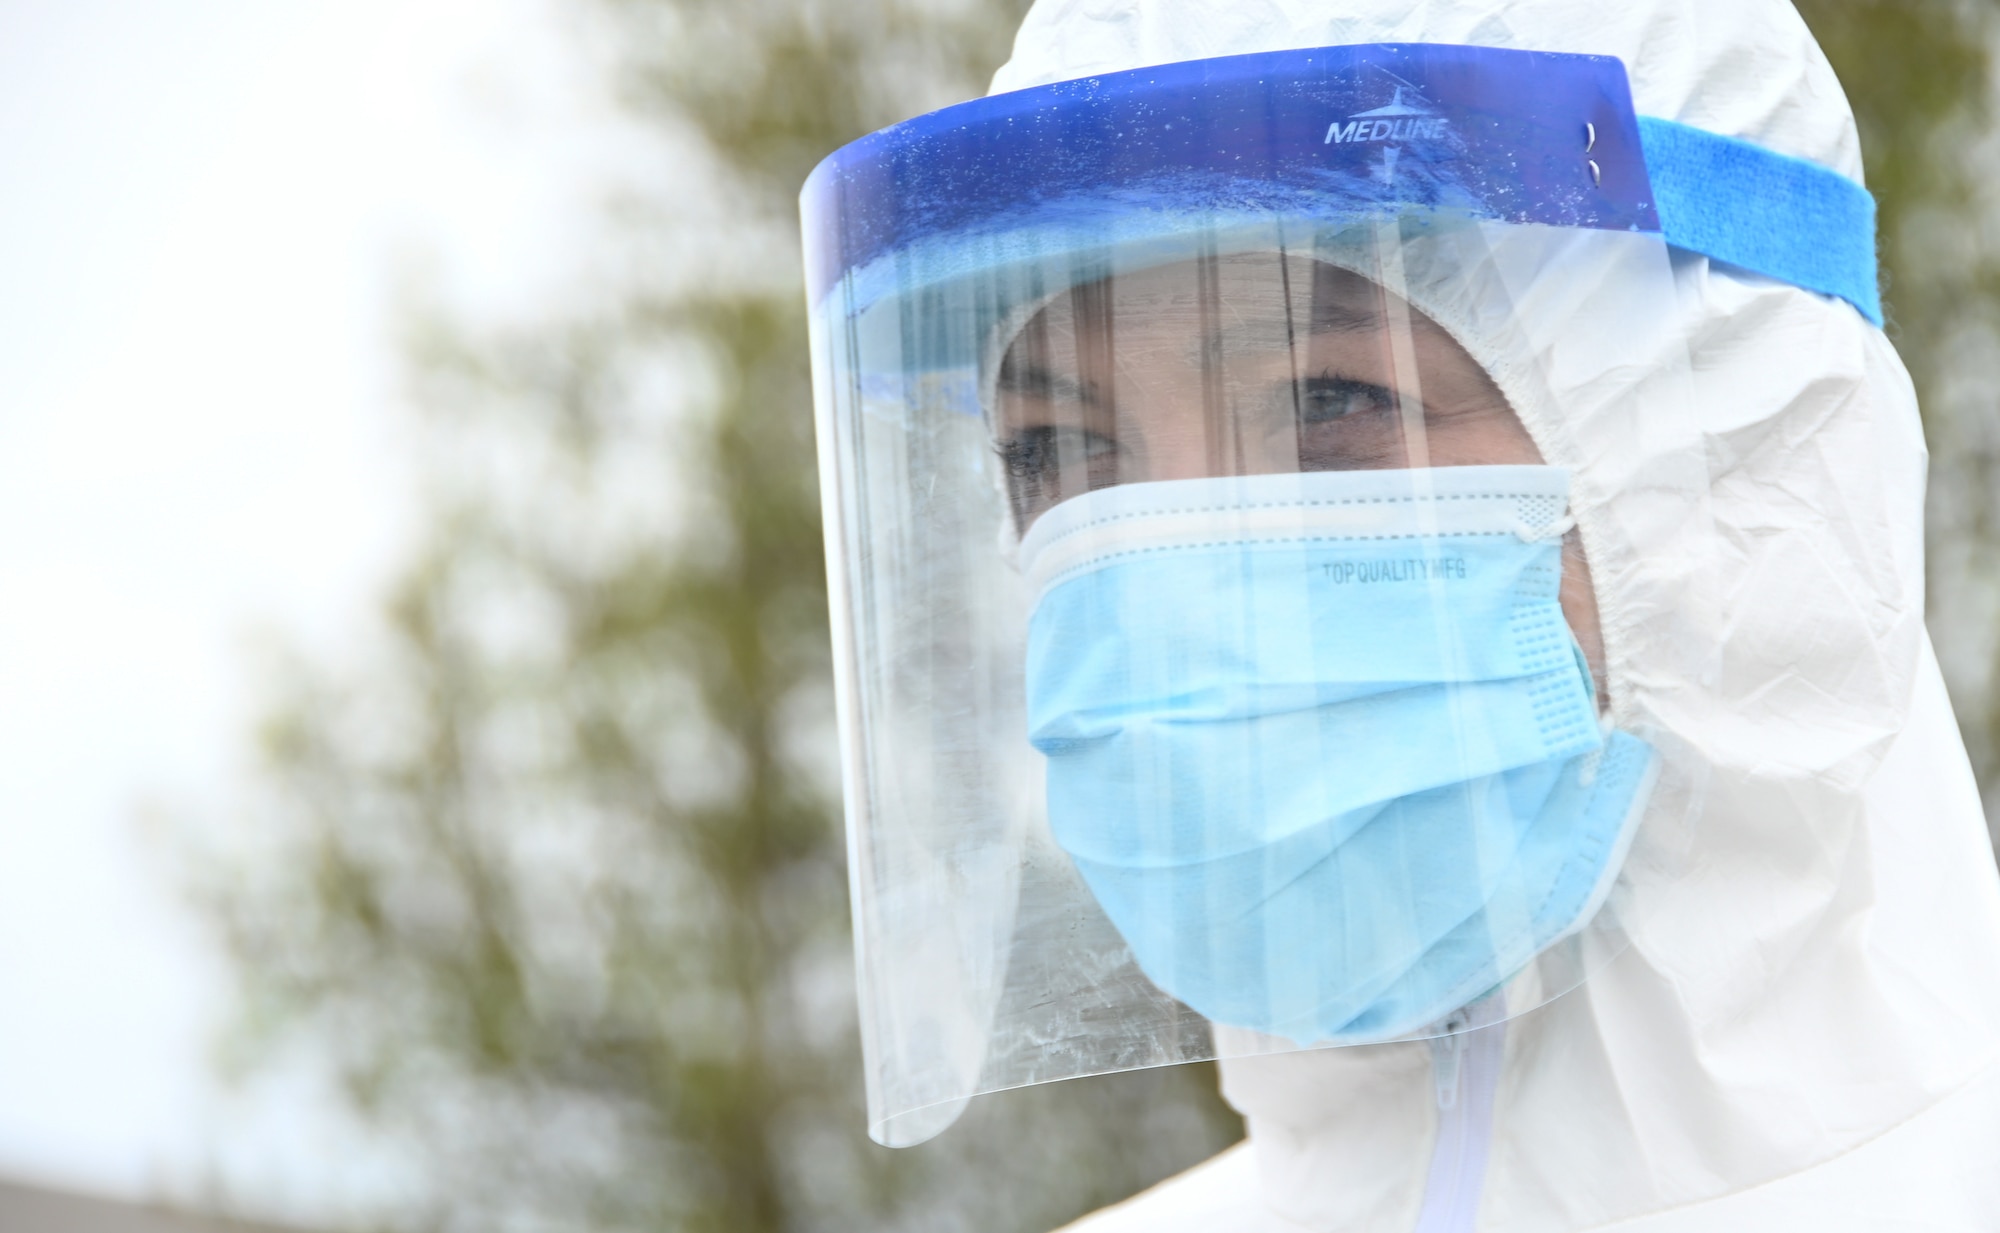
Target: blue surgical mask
[[1322, 745]]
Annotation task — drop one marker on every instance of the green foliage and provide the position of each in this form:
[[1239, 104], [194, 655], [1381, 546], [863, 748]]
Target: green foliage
[[557, 878], [1911, 68]]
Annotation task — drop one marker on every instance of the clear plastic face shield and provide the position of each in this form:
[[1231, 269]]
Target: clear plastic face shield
[[1236, 476]]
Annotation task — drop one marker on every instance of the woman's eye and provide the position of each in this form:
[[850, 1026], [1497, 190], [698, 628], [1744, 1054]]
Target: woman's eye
[[1034, 459], [1034, 451], [1325, 399], [1026, 455]]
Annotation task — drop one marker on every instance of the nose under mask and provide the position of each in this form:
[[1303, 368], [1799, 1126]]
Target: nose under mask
[[1322, 745]]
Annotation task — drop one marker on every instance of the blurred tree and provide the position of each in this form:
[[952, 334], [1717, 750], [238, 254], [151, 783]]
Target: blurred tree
[[557, 879]]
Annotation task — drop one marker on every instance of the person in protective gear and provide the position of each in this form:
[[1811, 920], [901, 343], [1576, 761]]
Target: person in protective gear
[[1380, 544]]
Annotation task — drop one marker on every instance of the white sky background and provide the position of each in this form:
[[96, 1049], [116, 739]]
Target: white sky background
[[203, 206]]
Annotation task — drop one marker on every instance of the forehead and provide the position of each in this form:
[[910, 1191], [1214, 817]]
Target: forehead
[[1239, 300]]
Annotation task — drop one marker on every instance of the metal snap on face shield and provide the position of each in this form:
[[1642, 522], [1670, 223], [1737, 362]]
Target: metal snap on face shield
[[1233, 477]]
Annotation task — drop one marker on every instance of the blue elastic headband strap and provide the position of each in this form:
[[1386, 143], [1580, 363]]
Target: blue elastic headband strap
[[1771, 214]]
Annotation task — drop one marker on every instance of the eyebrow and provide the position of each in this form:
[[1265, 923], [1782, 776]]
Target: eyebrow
[[1036, 381]]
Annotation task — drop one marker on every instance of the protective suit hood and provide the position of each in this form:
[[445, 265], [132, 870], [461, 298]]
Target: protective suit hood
[[1807, 1021]]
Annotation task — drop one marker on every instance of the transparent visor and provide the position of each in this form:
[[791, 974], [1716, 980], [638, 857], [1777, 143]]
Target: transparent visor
[[1229, 635]]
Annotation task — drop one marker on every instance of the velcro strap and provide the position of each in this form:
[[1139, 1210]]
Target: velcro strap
[[1769, 213]]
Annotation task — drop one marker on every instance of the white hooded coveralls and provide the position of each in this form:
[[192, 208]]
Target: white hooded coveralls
[[1805, 1031]]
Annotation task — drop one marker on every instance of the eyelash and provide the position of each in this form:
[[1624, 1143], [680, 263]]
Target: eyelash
[[1327, 387], [1032, 453], [1026, 456]]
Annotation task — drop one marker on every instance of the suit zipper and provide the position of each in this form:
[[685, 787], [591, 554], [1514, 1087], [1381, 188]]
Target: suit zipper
[[1465, 1069]]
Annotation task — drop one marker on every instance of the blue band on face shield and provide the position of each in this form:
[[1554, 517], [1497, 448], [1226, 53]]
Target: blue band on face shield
[[1329, 134], [1322, 745]]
